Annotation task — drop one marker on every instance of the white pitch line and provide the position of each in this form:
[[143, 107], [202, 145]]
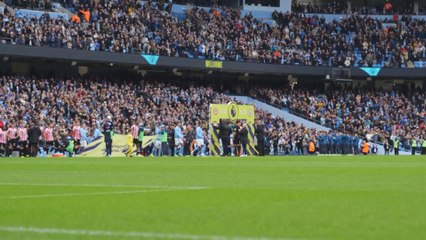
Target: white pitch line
[[52, 195], [149, 235], [96, 185]]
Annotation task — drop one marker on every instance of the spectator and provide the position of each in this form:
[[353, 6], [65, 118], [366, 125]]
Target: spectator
[[224, 34]]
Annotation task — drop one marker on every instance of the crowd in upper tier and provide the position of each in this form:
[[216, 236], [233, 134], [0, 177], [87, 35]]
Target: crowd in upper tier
[[342, 7], [222, 33], [42, 5], [379, 114]]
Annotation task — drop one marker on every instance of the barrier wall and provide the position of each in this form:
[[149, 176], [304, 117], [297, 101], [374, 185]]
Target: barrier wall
[[87, 57]]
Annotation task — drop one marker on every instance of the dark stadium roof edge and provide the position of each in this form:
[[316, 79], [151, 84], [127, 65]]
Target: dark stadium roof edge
[[161, 62]]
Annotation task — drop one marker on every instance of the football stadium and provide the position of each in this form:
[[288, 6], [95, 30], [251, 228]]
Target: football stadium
[[212, 119]]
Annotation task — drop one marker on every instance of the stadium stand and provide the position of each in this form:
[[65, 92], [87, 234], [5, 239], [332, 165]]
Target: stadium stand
[[84, 102], [44, 5], [222, 33], [381, 115], [341, 7]]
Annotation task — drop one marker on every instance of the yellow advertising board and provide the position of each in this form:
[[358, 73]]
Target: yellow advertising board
[[213, 64], [97, 147], [232, 112]]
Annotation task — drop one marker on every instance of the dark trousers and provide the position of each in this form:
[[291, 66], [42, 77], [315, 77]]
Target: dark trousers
[[138, 145], [225, 145], [165, 149], [11, 146], [396, 151], [2, 150], [187, 148], [108, 147], [423, 150], [33, 149], [171, 146], [413, 150], [347, 149], [338, 149], [47, 146], [300, 150], [332, 148], [23, 148], [356, 151], [321, 148], [244, 148], [261, 146]]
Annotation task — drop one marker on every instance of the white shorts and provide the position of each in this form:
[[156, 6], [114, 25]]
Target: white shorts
[[157, 144], [83, 143], [200, 142], [178, 141]]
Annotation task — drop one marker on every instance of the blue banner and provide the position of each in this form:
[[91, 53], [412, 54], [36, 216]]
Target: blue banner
[[151, 59], [372, 72]]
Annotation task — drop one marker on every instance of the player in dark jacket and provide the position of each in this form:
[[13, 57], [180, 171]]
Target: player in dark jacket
[[108, 133], [34, 134]]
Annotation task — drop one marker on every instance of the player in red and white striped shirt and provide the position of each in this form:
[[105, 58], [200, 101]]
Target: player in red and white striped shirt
[[135, 132], [12, 137], [48, 133], [23, 139], [3, 141], [48, 138], [76, 135], [76, 131]]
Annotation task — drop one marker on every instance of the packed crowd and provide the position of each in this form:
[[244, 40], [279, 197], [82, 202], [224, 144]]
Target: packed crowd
[[341, 7], [335, 7], [64, 105], [221, 33], [76, 111], [42, 5], [380, 115]]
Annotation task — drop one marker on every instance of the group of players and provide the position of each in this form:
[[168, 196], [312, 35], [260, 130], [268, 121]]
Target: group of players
[[177, 140], [170, 140], [27, 139]]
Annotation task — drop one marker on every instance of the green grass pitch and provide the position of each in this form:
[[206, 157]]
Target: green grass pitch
[[373, 197]]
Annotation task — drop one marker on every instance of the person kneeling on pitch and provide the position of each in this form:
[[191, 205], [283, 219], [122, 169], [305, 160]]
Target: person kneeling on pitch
[[365, 147], [311, 147], [65, 145]]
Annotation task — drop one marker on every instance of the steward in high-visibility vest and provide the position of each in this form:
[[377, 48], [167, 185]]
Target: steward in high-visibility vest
[[141, 134], [424, 147], [396, 146], [70, 147], [163, 137], [413, 146], [164, 143]]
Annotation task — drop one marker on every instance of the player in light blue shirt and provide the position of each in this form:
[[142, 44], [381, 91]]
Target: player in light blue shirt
[[178, 141], [157, 143], [199, 139]]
